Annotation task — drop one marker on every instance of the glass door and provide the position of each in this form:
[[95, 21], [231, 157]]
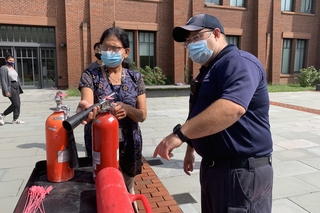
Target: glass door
[[27, 65], [48, 65]]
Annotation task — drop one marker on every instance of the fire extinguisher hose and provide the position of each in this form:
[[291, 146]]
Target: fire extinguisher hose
[[72, 122], [73, 153]]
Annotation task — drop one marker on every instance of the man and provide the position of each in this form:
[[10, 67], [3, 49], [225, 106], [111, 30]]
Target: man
[[228, 122]]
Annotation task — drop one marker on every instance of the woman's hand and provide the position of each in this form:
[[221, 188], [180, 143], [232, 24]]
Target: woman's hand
[[119, 110], [83, 105]]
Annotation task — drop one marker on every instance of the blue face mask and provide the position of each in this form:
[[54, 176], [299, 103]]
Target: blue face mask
[[10, 63], [111, 59], [199, 52]]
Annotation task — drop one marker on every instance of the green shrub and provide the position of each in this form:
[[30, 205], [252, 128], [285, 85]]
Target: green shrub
[[151, 76], [309, 77]]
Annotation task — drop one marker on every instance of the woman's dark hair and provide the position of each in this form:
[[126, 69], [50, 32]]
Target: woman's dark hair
[[8, 56], [122, 36]]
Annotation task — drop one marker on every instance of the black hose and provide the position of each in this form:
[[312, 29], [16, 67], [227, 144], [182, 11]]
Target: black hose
[[72, 122]]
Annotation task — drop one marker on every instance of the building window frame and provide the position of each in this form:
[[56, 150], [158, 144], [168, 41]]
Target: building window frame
[[300, 55], [287, 5], [286, 56], [237, 3], [233, 39], [307, 6], [216, 2], [294, 55], [27, 34], [142, 42]]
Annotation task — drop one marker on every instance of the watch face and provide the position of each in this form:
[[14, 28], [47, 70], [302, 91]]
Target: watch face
[[176, 128]]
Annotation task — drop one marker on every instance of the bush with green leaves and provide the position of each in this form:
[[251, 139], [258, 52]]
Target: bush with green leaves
[[151, 76], [309, 76]]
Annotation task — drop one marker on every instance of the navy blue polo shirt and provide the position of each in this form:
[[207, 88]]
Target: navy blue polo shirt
[[237, 76]]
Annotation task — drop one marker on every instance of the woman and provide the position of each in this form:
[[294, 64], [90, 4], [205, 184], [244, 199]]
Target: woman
[[11, 88], [130, 98]]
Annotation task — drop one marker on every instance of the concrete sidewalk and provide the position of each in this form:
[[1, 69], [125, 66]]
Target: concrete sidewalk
[[296, 156]]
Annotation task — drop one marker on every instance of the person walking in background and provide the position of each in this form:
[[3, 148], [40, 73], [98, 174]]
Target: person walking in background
[[130, 98], [228, 122], [11, 89], [87, 127]]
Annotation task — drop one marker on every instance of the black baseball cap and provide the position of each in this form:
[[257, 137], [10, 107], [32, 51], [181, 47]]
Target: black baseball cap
[[195, 23]]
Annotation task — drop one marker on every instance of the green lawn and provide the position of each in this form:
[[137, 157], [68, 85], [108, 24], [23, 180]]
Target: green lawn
[[289, 88], [73, 92], [271, 88]]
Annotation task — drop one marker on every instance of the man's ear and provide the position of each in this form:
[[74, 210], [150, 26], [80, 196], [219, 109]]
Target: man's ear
[[217, 32]]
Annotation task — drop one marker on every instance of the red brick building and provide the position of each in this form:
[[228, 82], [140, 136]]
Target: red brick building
[[52, 40]]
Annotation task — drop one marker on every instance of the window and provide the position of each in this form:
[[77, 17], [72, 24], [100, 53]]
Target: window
[[131, 56], [237, 3], [27, 34], [286, 51], [299, 55], [306, 6], [213, 2], [286, 5], [294, 50], [233, 40], [145, 47]]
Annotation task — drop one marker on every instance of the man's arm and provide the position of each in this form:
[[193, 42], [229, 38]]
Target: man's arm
[[218, 116]]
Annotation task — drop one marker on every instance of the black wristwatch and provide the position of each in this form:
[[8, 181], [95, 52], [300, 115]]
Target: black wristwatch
[[177, 131]]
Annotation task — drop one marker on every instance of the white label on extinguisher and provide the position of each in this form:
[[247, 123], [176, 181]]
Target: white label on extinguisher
[[118, 155], [96, 157], [111, 119], [63, 156]]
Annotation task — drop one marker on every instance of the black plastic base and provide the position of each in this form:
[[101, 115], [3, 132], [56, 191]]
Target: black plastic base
[[77, 195]]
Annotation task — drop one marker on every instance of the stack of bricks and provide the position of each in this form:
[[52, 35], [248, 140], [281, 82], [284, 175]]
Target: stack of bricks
[[158, 197]]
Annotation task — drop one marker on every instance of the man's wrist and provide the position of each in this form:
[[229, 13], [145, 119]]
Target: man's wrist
[[177, 131]]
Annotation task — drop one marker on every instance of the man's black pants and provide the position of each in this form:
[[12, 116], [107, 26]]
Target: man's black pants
[[247, 189]]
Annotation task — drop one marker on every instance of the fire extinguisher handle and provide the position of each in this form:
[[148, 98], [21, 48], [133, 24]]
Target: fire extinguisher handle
[[72, 122]]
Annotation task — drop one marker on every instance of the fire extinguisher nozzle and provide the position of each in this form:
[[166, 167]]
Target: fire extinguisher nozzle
[[67, 126], [72, 122]]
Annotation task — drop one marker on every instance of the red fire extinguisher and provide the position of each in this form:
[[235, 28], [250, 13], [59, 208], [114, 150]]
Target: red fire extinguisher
[[58, 159], [113, 196], [105, 140]]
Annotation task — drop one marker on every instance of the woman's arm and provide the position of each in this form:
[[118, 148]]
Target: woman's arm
[[138, 114], [87, 101], [87, 95], [3, 75]]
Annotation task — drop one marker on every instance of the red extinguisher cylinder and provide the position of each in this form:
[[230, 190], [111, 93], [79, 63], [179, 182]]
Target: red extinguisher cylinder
[[112, 195], [105, 142], [58, 166]]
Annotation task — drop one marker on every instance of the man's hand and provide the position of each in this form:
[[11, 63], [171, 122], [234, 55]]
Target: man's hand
[[166, 146], [83, 105], [188, 162], [8, 94]]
